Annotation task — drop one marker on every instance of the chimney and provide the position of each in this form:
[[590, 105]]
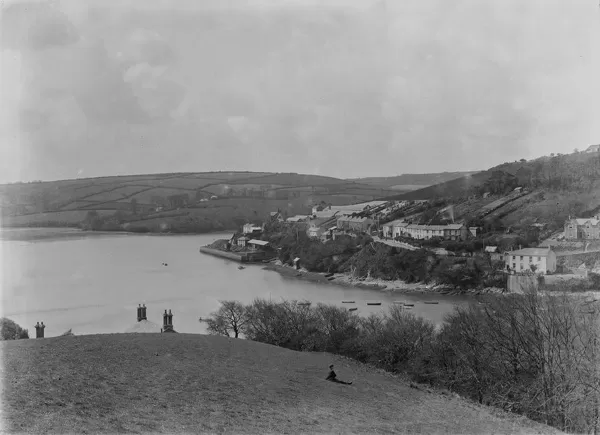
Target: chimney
[[168, 322], [143, 313], [139, 312], [39, 330]]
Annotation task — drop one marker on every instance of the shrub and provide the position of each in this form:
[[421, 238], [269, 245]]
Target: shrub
[[9, 330]]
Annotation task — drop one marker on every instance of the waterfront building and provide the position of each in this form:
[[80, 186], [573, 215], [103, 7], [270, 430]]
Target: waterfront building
[[521, 260]]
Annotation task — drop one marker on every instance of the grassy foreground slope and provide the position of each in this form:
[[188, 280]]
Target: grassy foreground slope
[[195, 383]]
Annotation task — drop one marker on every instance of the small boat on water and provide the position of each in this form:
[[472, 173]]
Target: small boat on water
[[241, 267], [327, 275], [347, 302], [430, 302], [373, 303], [352, 309], [409, 305]]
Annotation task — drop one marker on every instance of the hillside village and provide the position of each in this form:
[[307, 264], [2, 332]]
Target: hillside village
[[510, 213], [466, 226]]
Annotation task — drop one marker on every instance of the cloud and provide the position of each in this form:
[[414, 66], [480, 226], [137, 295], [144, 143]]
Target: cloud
[[424, 85], [146, 46], [36, 26]]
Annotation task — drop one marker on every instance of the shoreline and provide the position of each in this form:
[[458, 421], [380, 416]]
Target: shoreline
[[345, 280], [26, 234]]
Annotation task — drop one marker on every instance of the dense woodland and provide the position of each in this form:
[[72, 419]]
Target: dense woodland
[[362, 257]]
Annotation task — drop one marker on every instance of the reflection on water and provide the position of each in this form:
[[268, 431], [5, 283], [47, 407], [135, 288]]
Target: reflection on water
[[93, 283]]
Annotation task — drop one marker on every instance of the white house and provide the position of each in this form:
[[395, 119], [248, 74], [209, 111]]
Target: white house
[[521, 260], [593, 149], [251, 228], [394, 228]]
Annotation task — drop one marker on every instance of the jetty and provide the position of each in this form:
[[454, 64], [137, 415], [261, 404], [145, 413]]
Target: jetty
[[242, 257]]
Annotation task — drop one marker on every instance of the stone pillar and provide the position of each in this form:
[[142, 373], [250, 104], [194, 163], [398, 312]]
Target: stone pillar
[[143, 313], [39, 330]]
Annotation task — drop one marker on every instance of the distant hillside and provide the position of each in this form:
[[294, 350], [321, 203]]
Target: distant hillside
[[408, 182], [187, 202], [192, 383], [552, 189]]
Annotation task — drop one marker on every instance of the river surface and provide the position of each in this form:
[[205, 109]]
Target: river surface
[[93, 282]]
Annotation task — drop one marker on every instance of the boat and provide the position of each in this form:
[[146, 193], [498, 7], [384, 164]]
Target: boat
[[373, 303], [241, 267], [327, 275], [352, 309], [331, 278], [409, 305], [348, 302], [430, 302]]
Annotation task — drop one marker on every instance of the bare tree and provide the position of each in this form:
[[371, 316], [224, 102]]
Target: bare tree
[[230, 319]]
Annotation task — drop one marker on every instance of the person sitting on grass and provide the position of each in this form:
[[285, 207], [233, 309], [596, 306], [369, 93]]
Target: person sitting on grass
[[333, 377]]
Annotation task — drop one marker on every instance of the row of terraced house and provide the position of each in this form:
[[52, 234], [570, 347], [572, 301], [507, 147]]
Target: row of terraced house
[[400, 228]]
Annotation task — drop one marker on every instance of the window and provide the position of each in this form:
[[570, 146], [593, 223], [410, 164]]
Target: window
[[521, 258], [539, 258], [514, 265], [514, 257], [530, 259]]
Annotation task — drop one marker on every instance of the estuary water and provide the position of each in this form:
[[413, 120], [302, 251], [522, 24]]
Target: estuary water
[[93, 282]]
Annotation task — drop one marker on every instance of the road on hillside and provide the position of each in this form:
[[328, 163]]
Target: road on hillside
[[394, 243]]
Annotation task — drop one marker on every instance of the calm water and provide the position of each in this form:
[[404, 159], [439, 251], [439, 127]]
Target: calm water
[[93, 283]]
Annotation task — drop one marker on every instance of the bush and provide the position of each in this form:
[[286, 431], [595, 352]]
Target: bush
[[527, 354], [9, 330]]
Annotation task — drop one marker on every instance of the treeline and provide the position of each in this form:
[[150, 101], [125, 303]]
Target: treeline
[[176, 222], [361, 257], [572, 172], [531, 355], [378, 260], [292, 242]]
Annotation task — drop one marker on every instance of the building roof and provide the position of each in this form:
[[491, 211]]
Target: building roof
[[593, 148], [243, 238], [297, 218], [536, 252], [353, 219], [585, 221], [396, 223], [258, 242], [435, 227], [491, 249], [144, 326]]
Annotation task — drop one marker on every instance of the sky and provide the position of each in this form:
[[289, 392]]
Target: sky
[[344, 88]]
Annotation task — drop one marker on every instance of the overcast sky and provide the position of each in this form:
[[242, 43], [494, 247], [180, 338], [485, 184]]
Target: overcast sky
[[342, 88]]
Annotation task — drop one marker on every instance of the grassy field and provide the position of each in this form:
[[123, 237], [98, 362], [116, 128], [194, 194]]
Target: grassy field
[[176, 383], [242, 195]]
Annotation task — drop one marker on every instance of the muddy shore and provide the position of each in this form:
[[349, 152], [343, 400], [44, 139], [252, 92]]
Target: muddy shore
[[370, 284]]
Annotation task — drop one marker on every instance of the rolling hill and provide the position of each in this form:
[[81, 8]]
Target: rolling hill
[[185, 201], [410, 182], [551, 189], [192, 383]]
